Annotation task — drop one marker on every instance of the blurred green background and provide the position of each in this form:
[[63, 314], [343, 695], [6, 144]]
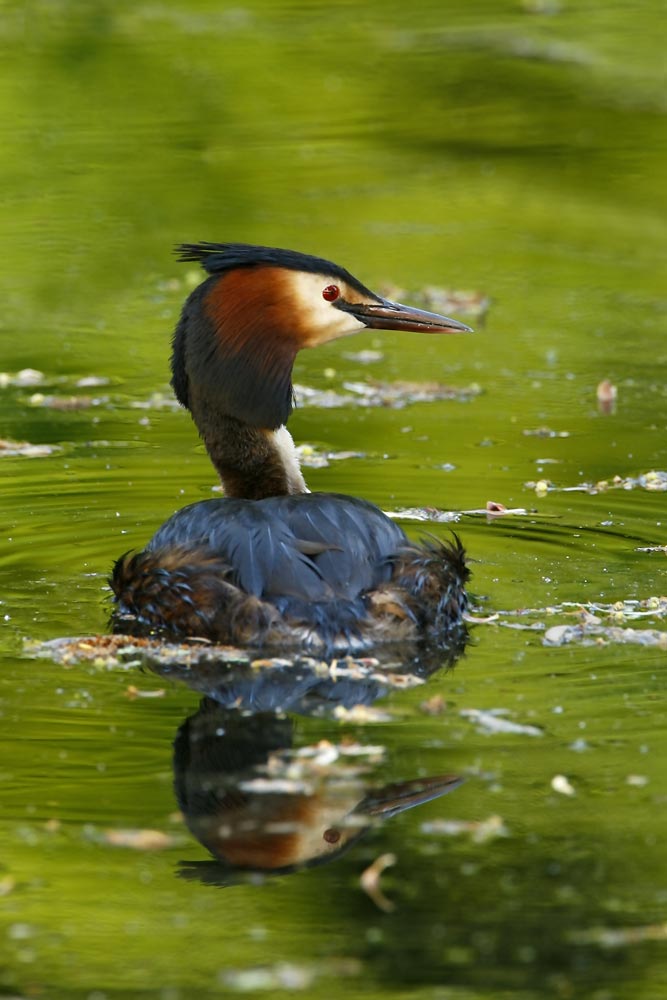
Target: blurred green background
[[512, 149]]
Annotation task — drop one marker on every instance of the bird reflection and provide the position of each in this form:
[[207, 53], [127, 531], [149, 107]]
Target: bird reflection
[[257, 802], [302, 684], [258, 805]]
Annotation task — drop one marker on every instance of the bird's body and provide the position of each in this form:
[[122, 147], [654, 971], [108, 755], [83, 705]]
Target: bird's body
[[271, 564], [234, 777]]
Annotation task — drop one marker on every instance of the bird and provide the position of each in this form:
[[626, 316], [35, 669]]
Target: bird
[[270, 564], [256, 804]]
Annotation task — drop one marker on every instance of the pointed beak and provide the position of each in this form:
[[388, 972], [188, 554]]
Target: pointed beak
[[396, 798], [386, 315]]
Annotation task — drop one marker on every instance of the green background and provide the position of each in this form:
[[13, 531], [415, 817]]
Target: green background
[[512, 149]]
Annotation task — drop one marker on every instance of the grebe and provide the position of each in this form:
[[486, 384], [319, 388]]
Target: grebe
[[256, 806], [272, 564]]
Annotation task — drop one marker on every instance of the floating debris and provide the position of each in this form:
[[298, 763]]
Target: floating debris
[[112, 652], [370, 882], [11, 449], [398, 394], [325, 753], [546, 432], [442, 300], [91, 381], [30, 378], [653, 481], [283, 976], [27, 377], [364, 357], [606, 394], [276, 786], [392, 395], [287, 976], [140, 840], [600, 635], [549, 7], [7, 885], [590, 611], [559, 635], [619, 937], [518, 626], [375, 393], [435, 705], [310, 457], [424, 514], [360, 715], [53, 402], [301, 771], [590, 623], [492, 510], [157, 401], [560, 784], [469, 303], [133, 693], [484, 619], [493, 721], [480, 830], [322, 754]]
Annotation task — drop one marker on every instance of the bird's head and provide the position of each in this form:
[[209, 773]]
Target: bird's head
[[241, 329], [284, 831]]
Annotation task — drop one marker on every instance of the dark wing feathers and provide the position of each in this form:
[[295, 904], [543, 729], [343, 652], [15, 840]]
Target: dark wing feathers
[[314, 547], [360, 538]]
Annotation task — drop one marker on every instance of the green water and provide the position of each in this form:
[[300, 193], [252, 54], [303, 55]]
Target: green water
[[516, 150]]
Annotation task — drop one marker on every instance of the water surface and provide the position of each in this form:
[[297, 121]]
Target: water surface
[[513, 150]]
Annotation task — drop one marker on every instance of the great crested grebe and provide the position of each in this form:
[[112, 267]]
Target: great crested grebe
[[272, 564], [255, 805]]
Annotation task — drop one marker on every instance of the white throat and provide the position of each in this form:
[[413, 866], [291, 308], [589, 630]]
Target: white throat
[[284, 445]]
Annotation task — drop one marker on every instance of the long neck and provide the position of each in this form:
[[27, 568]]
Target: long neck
[[234, 374], [252, 462]]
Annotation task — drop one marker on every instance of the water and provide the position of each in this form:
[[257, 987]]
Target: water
[[515, 150]]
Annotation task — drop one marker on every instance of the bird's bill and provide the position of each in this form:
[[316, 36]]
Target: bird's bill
[[386, 315], [396, 798]]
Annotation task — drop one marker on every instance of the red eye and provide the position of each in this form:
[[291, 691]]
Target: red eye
[[331, 293]]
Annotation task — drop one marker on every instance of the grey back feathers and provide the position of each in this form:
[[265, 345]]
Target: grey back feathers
[[312, 547]]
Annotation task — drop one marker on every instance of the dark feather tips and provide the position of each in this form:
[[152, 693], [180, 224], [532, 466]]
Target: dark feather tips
[[217, 258]]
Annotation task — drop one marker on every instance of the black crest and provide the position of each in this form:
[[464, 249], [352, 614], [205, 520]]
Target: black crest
[[216, 258]]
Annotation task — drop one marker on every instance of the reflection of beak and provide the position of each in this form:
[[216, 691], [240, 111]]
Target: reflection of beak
[[396, 798], [386, 315]]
